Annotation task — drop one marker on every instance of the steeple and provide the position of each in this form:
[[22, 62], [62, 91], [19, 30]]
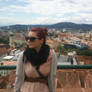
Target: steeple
[[11, 40]]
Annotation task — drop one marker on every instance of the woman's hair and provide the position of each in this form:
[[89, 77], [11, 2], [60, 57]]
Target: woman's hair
[[41, 33]]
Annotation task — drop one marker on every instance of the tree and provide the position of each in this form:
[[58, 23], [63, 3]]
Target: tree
[[61, 49], [4, 41]]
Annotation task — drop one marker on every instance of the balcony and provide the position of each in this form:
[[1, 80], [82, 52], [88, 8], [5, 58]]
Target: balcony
[[69, 78]]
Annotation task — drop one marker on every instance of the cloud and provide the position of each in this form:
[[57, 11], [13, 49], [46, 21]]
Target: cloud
[[47, 7], [5, 0], [8, 21], [52, 11]]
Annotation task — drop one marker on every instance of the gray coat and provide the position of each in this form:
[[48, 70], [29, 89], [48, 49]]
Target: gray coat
[[20, 73]]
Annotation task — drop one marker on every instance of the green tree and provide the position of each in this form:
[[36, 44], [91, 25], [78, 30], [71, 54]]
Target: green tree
[[84, 52], [61, 49], [4, 40]]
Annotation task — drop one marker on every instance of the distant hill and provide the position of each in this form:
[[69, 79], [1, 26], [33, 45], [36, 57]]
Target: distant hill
[[73, 26], [60, 25]]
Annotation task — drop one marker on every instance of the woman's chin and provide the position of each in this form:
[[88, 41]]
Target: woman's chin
[[31, 47]]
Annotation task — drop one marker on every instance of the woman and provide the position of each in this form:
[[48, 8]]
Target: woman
[[36, 68]]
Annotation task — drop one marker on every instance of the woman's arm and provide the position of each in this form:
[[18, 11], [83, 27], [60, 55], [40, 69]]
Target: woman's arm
[[19, 73], [53, 72]]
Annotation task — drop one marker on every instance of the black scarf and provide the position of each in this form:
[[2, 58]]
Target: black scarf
[[37, 58]]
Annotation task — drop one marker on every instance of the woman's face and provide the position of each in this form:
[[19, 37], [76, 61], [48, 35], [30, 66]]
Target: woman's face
[[35, 42]]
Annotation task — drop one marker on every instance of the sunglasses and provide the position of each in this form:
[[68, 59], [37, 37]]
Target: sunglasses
[[32, 39]]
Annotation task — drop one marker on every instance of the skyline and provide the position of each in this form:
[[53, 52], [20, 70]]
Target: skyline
[[45, 11]]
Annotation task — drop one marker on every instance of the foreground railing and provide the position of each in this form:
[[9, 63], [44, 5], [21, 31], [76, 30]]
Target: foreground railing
[[8, 67], [4, 70], [74, 66], [58, 67]]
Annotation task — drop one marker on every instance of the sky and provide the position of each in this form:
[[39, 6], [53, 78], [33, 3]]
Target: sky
[[45, 11]]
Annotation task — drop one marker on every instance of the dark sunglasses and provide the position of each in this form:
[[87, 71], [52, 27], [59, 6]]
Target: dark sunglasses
[[32, 39]]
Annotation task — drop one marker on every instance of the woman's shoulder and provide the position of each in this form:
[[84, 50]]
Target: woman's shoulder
[[20, 57], [54, 55], [21, 54], [52, 51]]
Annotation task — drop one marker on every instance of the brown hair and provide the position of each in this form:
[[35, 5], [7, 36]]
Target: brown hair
[[41, 33]]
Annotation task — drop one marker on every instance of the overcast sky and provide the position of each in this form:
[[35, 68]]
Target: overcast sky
[[45, 11]]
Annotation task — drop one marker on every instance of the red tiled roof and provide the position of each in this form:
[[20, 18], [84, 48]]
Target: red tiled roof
[[8, 63], [4, 45], [65, 79], [6, 90], [3, 49], [74, 80], [74, 90], [86, 59]]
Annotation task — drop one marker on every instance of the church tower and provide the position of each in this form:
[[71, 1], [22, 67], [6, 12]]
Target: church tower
[[11, 40]]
